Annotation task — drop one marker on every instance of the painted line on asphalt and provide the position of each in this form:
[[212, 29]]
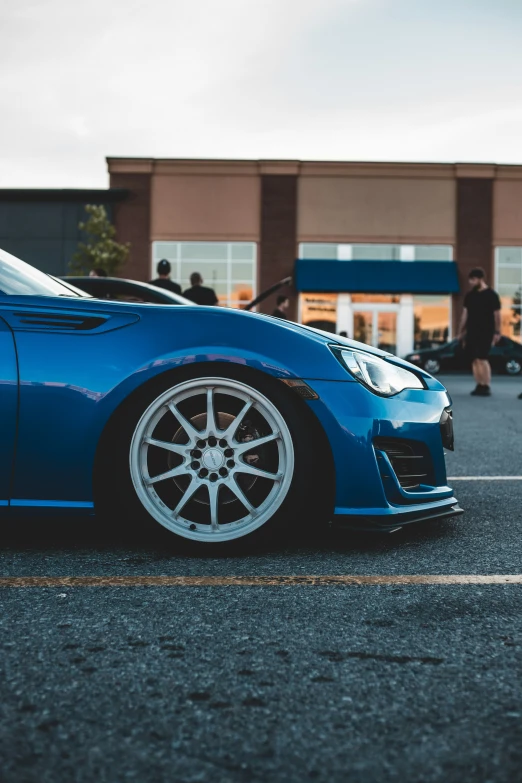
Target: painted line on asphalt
[[484, 478], [259, 581]]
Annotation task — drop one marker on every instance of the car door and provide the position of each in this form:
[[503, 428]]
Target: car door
[[8, 410], [68, 353]]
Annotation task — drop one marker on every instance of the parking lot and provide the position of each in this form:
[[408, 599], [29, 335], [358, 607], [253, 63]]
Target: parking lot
[[381, 681]]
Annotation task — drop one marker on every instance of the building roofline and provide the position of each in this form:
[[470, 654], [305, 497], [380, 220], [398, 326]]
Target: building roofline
[[332, 168]]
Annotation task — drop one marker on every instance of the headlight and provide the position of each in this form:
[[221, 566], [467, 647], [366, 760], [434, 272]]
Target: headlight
[[380, 376], [415, 357]]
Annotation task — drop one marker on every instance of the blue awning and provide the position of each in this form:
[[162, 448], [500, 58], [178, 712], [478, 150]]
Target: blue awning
[[377, 277]]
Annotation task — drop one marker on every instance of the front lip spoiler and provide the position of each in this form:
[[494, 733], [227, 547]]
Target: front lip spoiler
[[396, 521]]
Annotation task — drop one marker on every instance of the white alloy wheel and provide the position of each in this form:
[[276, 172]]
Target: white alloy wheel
[[432, 365], [513, 367], [212, 459]]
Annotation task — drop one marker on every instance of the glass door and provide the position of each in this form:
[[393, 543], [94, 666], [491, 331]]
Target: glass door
[[386, 331], [363, 326], [376, 326]]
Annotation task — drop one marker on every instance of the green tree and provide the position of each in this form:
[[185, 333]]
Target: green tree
[[100, 249]]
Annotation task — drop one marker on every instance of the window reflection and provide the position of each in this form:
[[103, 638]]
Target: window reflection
[[432, 318], [227, 267], [374, 252], [375, 298], [508, 262], [320, 311]]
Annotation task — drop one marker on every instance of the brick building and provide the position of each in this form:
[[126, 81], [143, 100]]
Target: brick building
[[379, 250]]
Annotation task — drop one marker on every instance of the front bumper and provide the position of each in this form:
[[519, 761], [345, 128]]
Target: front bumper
[[370, 493]]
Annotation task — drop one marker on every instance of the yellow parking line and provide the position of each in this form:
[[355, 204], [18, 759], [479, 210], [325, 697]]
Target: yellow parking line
[[259, 581]]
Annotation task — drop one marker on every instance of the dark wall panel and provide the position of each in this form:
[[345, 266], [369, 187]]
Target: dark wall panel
[[132, 221], [474, 233], [43, 233], [278, 233]]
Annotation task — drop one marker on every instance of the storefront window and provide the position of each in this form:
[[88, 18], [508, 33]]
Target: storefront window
[[317, 250], [228, 267], [375, 298], [319, 310], [508, 267], [432, 319], [374, 252]]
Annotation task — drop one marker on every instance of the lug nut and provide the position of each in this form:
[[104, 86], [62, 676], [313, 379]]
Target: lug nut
[[212, 441], [196, 453], [213, 476], [223, 472], [194, 465], [203, 473], [201, 444], [231, 463], [229, 452], [223, 444]]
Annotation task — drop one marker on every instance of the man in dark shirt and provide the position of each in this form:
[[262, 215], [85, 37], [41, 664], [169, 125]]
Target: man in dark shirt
[[480, 328], [283, 303], [199, 294], [163, 279]]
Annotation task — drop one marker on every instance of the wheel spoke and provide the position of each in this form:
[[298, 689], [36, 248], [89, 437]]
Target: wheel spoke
[[176, 448], [211, 428], [192, 432], [213, 494], [242, 467], [191, 490], [241, 448], [180, 470], [232, 428], [238, 492]]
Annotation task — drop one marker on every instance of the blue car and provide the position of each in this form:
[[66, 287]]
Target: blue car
[[216, 424]]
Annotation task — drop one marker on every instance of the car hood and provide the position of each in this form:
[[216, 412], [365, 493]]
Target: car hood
[[328, 337], [344, 342]]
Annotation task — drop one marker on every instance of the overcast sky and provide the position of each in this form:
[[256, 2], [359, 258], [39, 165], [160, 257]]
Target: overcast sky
[[428, 80]]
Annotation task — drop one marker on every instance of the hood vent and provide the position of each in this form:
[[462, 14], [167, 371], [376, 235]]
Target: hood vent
[[63, 322]]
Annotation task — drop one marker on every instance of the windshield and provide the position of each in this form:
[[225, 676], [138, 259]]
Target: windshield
[[19, 278]]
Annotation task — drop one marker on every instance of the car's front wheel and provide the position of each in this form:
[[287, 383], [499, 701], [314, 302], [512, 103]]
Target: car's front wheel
[[217, 458], [513, 367], [212, 459]]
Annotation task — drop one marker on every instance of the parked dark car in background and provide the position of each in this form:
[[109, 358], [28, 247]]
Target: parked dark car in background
[[505, 357], [122, 290]]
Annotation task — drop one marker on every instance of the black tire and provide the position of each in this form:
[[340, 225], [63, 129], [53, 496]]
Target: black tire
[[307, 507], [432, 366]]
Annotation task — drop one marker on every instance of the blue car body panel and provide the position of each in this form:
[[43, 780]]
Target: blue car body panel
[[67, 364]]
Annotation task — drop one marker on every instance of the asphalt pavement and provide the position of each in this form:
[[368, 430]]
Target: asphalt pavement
[[379, 682]]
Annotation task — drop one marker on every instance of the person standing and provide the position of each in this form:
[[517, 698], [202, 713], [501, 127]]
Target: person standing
[[283, 303], [163, 279], [200, 294], [480, 328]]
